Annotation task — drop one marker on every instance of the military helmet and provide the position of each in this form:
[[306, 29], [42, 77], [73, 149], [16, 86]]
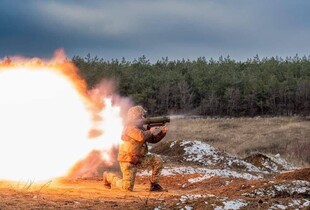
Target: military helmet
[[135, 113]]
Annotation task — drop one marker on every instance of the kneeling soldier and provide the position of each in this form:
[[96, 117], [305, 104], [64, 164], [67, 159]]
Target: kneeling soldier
[[133, 152]]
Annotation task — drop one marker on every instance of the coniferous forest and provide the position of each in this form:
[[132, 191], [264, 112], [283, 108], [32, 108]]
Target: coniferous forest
[[223, 87]]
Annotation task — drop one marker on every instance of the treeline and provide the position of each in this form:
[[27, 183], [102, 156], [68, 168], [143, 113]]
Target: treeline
[[223, 87]]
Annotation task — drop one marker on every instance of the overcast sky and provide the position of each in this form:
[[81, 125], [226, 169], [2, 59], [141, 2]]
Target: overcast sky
[[163, 28]]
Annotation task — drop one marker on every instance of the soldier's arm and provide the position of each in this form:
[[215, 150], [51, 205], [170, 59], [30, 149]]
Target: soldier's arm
[[138, 134], [158, 136]]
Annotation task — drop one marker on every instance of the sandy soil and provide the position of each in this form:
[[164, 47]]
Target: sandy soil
[[90, 193]]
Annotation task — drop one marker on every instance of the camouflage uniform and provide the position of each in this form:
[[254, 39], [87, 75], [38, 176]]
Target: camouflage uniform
[[133, 152]]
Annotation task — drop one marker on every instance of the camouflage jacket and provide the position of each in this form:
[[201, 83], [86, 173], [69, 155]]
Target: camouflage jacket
[[134, 143]]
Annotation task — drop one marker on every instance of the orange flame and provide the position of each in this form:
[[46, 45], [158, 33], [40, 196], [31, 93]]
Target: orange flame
[[46, 117]]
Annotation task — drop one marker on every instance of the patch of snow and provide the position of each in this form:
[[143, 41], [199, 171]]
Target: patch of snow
[[184, 198], [278, 160], [218, 208], [199, 179], [207, 172], [295, 203], [232, 205], [270, 165], [235, 204], [249, 167], [197, 148], [172, 143], [307, 203], [297, 186], [251, 195], [277, 206], [299, 203], [188, 207], [292, 188], [202, 153]]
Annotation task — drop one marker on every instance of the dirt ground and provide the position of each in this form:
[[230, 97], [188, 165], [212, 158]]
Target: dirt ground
[[207, 194], [197, 176]]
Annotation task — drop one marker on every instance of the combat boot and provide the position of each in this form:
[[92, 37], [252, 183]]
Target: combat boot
[[155, 187], [106, 184]]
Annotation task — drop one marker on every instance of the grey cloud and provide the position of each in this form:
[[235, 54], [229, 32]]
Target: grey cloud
[[139, 16], [155, 28]]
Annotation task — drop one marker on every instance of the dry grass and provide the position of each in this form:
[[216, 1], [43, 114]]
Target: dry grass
[[287, 136]]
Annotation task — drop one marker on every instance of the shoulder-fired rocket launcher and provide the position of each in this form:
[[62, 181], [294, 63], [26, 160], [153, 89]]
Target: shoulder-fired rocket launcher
[[155, 121]]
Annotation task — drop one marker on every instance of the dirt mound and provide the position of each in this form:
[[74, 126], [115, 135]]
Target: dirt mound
[[170, 151], [300, 174], [202, 154], [263, 162], [272, 164]]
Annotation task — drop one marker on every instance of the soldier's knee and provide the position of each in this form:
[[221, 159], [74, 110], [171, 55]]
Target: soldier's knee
[[110, 177]]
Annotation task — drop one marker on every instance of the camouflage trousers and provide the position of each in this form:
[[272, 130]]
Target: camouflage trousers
[[129, 170]]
